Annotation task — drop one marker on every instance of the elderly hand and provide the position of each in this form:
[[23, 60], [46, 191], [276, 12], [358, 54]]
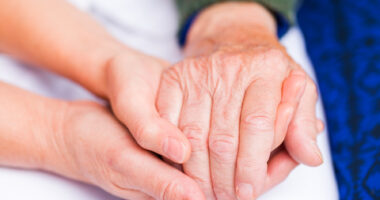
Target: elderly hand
[[235, 97], [90, 145]]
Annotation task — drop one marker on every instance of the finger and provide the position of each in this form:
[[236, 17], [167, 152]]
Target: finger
[[169, 98], [223, 142], [256, 135], [195, 124], [279, 167], [139, 170], [292, 91], [152, 132], [301, 138]]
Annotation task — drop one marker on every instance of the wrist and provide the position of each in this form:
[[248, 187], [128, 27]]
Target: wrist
[[58, 150], [232, 23], [94, 77], [42, 156]]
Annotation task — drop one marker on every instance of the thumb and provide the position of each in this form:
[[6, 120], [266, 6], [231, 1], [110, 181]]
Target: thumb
[[149, 130], [133, 99]]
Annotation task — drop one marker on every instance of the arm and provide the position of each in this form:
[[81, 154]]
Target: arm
[[22, 127], [69, 139], [54, 35]]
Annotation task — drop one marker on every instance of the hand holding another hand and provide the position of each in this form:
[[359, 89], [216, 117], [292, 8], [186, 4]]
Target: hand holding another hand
[[236, 98]]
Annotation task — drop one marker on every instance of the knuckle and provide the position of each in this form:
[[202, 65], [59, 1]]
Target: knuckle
[[248, 164], [257, 122], [197, 136], [276, 58], [172, 191], [223, 145], [142, 132]]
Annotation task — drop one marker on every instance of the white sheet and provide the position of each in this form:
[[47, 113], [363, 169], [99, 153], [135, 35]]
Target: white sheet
[[150, 27]]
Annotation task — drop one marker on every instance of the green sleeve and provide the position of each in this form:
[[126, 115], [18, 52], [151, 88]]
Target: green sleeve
[[284, 8]]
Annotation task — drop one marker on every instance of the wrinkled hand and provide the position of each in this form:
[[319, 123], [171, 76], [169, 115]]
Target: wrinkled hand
[[235, 105], [92, 146]]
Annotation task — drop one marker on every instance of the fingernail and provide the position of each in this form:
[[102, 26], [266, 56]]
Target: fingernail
[[174, 149], [244, 191], [317, 151]]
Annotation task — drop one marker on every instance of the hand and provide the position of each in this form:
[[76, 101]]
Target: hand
[[86, 53], [234, 98], [229, 105], [90, 145], [132, 83]]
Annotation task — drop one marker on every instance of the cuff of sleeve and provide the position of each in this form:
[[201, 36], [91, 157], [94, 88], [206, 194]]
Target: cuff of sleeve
[[285, 17], [184, 30]]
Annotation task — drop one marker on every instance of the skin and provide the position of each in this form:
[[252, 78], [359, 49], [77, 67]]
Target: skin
[[245, 92], [83, 51], [85, 142]]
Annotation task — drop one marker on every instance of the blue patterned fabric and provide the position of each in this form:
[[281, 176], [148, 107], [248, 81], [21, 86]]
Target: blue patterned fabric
[[343, 42]]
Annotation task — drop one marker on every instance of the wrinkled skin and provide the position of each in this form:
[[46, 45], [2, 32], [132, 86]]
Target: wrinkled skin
[[235, 106]]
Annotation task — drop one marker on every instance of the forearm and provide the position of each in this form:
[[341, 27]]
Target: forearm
[[32, 133], [55, 35], [232, 23], [25, 119]]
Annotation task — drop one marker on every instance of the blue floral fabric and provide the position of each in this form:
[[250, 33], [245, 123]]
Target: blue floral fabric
[[343, 42]]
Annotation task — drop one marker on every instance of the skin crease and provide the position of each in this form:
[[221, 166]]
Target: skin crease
[[83, 51], [245, 91]]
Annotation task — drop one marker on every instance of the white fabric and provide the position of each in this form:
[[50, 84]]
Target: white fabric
[[150, 27]]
